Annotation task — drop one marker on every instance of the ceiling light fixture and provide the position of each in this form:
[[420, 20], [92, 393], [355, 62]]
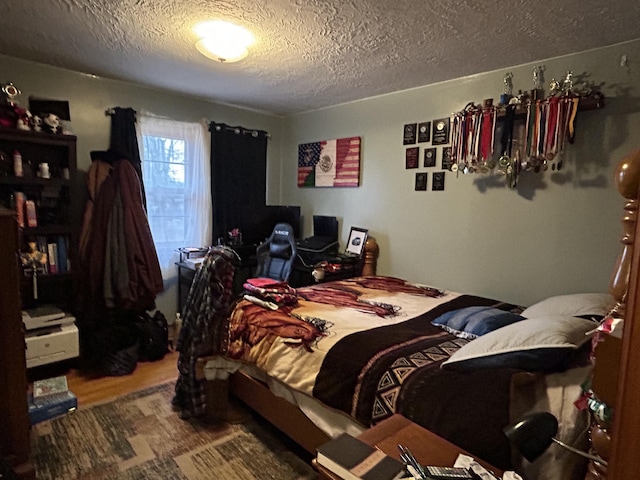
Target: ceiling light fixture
[[223, 41]]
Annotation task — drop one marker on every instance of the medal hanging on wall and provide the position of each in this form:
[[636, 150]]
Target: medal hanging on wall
[[504, 162]]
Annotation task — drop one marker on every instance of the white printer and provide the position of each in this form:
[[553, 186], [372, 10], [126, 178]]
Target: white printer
[[50, 334]]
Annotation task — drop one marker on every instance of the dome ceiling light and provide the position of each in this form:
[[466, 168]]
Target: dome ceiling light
[[222, 41]]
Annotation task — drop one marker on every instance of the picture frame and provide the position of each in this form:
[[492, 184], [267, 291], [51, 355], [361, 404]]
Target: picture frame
[[429, 157], [446, 158], [440, 132], [412, 157], [421, 181], [410, 133], [437, 181], [356, 241], [424, 132]]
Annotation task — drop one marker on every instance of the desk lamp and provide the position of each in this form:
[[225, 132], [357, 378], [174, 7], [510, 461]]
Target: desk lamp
[[533, 434]]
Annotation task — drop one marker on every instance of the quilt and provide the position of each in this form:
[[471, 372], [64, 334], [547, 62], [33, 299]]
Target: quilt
[[366, 346]]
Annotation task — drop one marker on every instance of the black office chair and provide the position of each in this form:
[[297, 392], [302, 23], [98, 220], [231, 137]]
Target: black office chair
[[276, 255]]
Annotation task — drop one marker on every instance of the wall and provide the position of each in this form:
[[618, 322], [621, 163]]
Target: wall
[[558, 232], [90, 96]]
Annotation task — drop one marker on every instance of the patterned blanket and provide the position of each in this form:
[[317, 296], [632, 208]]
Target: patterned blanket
[[366, 346]]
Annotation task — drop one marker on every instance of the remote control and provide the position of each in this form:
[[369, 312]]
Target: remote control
[[448, 473]]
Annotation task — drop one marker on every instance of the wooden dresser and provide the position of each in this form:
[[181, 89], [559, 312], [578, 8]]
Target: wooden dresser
[[14, 419]]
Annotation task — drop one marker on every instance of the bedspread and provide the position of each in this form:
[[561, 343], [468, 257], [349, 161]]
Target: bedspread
[[366, 346]]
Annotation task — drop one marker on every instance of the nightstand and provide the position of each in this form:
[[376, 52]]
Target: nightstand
[[427, 447]]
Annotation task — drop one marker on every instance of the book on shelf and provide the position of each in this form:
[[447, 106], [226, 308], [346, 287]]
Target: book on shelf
[[61, 243], [352, 459], [53, 258], [49, 389]]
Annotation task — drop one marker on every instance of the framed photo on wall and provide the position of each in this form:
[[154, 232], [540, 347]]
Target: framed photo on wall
[[424, 132], [411, 157], [357, 239], [410, 134], [446, 158], [441, 132], [421, 181], [429, 157], [437, 182]]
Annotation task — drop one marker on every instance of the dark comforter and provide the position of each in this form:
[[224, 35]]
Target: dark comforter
[[375, 373]]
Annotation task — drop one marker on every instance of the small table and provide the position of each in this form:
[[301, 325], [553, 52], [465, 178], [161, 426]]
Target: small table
[[426, 446]]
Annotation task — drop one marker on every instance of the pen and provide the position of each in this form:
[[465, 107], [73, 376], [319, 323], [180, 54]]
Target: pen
[[410, 460]]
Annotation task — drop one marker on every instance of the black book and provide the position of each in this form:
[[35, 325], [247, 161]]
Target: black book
[[352, 459]]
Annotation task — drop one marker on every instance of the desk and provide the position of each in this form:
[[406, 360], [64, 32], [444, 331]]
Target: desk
[[245, 269], [426, 446]]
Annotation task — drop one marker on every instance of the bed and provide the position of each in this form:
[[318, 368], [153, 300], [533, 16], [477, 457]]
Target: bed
[[350, 353]]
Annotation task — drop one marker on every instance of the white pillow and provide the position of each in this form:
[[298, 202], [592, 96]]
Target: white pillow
[[533, 344], [573, 305]]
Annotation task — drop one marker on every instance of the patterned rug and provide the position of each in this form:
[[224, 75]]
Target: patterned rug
[[138, 436]]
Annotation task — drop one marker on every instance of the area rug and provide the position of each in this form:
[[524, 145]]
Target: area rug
[[138, 436]]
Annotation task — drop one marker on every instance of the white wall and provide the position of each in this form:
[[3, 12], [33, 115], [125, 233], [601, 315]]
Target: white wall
[[557, 233], [90, 96]]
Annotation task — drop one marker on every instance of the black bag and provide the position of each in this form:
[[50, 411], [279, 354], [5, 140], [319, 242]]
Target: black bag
[[153, 338]]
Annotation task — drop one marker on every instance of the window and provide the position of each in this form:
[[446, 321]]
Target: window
[[176, 174]]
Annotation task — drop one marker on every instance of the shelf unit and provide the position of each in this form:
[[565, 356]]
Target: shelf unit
[[54, 199]]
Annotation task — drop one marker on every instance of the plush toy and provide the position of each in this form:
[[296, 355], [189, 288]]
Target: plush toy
[[36, 123], [8, 116], [51, 123], [24, 118]]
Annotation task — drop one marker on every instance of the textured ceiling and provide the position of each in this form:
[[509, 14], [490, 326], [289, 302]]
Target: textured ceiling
[[309, 53]]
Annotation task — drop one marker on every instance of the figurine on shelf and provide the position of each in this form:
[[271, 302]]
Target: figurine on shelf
[[34, 262], [11, 114], [567, 83], [36, 123], [507, 81], [538, 81], [51, 123], [235, 237]]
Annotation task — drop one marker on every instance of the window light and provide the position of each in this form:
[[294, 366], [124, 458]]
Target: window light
[[223, 41]]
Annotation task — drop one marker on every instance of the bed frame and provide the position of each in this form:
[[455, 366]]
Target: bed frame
[[616, 379]]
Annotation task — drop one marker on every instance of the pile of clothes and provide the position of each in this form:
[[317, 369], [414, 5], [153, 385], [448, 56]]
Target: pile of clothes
[[269, 293]]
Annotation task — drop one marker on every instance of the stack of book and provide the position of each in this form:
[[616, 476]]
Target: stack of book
[[352, 459], [50, 398]]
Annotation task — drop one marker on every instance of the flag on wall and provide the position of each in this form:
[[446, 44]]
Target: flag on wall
[[330, 163]]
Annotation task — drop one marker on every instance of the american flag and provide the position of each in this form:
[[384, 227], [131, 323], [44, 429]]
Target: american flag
[[341, 156]]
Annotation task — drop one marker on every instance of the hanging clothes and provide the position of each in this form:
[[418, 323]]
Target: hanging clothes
[[123, 268], [118, 256], [204, 328]]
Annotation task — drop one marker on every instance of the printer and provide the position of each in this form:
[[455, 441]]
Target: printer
[[50, 335]]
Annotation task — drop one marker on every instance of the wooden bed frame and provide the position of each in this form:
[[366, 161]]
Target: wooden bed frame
[[617, 365], [616, 378]]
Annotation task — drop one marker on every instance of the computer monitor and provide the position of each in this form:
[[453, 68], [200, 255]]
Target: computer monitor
[[258, 223], [324, 226]]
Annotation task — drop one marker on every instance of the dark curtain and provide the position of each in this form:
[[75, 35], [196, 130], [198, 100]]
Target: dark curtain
[[238, 176], [124, 141]]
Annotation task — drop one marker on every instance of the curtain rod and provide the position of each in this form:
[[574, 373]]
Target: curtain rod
[[238, 129], [111, 111]]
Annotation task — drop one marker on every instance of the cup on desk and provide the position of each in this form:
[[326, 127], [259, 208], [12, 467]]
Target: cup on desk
[[318, 273]]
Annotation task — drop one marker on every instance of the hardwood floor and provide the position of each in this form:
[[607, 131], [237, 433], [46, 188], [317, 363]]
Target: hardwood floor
[[91, 390]]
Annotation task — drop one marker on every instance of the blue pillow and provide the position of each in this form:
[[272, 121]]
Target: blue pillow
[[472, 322]]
